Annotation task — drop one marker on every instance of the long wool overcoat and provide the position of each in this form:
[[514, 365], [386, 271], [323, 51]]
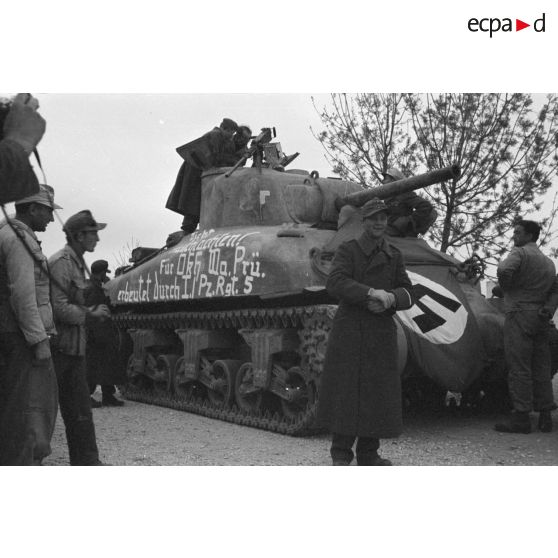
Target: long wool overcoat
[[360, 390], [101, 353], [185, 197]]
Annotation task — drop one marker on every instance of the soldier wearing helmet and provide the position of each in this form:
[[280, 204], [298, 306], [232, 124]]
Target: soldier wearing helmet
[[409, 213]]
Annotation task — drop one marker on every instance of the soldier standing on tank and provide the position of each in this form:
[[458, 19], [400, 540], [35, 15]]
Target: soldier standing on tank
[[102, 341], [28, 390], [71, 316], [530, 286], [409, 213], [360, 394], [208, 151]]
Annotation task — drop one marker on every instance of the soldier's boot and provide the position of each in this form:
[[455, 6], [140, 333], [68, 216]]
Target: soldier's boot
[[545, 421], [518, 423], [373, 460]]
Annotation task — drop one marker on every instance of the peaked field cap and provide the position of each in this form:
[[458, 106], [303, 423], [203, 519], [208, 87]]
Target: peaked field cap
[[82, 220], [100, 266], [394, 173], [375, 205], [45, 196]]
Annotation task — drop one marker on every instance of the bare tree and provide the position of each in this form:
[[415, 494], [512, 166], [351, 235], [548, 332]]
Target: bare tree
[[508, 155], [366, 134], [507, 151], [122, 259]]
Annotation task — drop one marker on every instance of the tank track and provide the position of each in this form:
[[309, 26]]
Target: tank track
[[314, 324]]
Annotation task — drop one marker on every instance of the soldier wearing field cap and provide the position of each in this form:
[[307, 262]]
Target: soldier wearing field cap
[[360, 395], [102, 342], [28, 390], [71, 315], [409, 213]]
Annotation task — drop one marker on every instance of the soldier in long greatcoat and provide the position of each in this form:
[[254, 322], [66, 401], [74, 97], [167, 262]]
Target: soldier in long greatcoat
[[204, 153], [360, 395]]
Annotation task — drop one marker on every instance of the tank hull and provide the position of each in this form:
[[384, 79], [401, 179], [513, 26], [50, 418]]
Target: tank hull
[[233, 321]]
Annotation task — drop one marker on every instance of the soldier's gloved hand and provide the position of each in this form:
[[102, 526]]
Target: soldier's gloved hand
[[100, 312], [24, 124], [41, 350], [387, 299]]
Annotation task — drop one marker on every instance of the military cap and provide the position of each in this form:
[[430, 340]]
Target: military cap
[[82, 220], [394, 173], [45, 196], [100, 266], [375, 205]]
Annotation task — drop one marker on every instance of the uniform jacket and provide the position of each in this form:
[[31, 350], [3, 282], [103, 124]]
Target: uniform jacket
[[17, 179], [361, 389], [24, 285], [67, 268], [528, 279]]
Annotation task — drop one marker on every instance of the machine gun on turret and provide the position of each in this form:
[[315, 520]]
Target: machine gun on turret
[[357, 199], [265, 153]]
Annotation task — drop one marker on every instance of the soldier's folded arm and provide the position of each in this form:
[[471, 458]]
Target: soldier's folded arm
[[21, 282], [340, 282], [403, 291]]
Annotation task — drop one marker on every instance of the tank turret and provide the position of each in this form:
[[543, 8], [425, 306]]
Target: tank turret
[[233, 321]]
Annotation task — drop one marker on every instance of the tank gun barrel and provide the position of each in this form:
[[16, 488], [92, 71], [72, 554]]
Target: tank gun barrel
[[357, 199]]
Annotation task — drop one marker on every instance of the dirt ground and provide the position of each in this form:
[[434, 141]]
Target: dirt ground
[[139, 434]]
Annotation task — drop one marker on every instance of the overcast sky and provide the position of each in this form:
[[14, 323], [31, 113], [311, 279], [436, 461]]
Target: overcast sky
[[115, 155]]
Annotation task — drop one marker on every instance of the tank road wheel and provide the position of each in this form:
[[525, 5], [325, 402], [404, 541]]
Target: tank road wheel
[[301, 393], [223, 374], [162, 380], [248, 397], [136, 380], [184, 387]]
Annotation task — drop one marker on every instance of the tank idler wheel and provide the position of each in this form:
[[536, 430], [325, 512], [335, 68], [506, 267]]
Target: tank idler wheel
[[185, 388], [136, 380], [223, 374], [301, 393], [247, 396], [164, 368]]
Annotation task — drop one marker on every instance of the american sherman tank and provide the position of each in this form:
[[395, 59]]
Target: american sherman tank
[[232, 322]]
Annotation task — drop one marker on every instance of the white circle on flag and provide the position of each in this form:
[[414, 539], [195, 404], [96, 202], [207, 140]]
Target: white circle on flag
[[454, 322]]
